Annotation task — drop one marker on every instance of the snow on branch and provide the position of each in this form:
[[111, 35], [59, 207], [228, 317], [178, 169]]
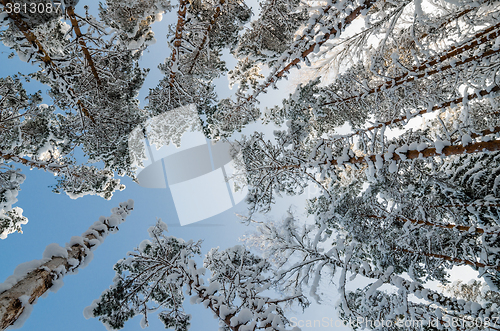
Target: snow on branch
[[217, 13], [289, 241], [47, 61], [463, 228], [52, 167], [405, 118], [281, 167], [455, 260], [181, 21]]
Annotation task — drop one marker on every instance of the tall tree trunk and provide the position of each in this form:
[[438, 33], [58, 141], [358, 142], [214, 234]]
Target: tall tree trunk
[[181, 21], [483, 146], [334, 31], [451, 259], [463, 228], [22, 290]]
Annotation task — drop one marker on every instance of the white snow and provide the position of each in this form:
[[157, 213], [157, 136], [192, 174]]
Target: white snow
[[439, 145], [244, 316], [88, 311], [54, 250]]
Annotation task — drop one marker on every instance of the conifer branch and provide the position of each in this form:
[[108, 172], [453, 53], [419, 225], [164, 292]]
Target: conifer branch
[[451, 19], [194, 284], [30, 36], [442, 25], [209, 28], [421, 292], [44, 56], [79, 36], [478, 147], [334, 31], [423, 70], [474, 204]]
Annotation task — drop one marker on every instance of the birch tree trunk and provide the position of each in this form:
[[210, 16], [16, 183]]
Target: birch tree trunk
[[22, 289]]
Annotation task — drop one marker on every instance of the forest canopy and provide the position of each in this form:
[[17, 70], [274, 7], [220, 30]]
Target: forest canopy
[[395, 120]]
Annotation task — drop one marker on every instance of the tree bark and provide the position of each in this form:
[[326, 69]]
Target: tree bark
[[196, 286], [181, 21], [483, 146], [48, 270], [427, 223], [451, 259]]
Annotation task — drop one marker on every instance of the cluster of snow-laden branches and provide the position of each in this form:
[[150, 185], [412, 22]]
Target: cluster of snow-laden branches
[[304, 254], [202, 32], [409, 198], [456, 85], [413, 190], [159, 273], [90, 66]]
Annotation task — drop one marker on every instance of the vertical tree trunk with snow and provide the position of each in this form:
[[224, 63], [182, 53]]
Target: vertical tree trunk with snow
[[34, 278]]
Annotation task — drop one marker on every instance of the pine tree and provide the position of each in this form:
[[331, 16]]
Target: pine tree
[[366, 91], [93, 80], [155, 274], [388, 192], [203, 30], [305, 255]]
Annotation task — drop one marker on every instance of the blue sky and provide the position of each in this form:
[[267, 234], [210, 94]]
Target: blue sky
[[56, 218]]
